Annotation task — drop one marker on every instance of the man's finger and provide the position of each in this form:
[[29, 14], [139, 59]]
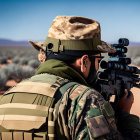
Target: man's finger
[[126, 93]]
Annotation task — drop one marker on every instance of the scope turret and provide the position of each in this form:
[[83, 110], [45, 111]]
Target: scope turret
[[123, 41], [120, 47]]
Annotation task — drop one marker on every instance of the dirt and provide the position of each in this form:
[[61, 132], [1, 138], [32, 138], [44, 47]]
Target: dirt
[[11, 83], [136, 105]]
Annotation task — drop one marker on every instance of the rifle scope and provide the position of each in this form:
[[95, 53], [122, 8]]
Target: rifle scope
[[119, 66]]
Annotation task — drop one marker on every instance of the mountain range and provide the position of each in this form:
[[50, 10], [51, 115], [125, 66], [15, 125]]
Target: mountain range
[[13, 43]]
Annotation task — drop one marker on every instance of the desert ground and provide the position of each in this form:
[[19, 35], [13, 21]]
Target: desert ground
[[136, 105]]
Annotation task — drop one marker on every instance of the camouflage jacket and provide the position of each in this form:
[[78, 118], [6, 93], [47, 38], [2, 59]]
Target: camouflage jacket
[[57, 103], [84, 114]]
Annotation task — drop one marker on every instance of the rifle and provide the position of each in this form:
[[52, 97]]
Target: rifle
[[117, 75]]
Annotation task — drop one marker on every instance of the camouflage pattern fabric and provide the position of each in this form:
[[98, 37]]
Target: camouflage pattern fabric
[[77, 28], [86, 119], [73, 28], [37, 45], [83, 113], [79, 113]]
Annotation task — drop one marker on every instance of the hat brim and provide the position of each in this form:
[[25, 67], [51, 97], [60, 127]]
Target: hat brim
[[35, 45], [106, 48]]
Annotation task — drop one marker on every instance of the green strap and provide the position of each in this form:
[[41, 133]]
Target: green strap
[[56, 45], [67, 86], [63, 89], [61, 93]]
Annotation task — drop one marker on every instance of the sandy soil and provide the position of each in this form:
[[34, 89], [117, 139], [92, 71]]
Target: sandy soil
[[11, 83], [136, 105]]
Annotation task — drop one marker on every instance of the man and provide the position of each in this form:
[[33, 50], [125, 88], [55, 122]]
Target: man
[[58, 102], [39, 46]]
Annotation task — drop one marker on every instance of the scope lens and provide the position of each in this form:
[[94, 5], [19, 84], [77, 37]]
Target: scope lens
[[124, 41], [103, 64]]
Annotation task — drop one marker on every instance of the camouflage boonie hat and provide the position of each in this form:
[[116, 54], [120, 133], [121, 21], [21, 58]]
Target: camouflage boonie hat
[[76, 33], [37, 45]]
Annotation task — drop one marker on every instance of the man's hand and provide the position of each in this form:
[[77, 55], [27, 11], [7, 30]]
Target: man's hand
[[125, 103]]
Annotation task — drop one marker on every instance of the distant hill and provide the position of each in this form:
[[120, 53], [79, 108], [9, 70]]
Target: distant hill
[[135, 44], [8, 43]]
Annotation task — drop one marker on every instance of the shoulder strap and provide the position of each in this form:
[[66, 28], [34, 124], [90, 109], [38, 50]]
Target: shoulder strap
[[59, 94], [62, 90], [54, 113]]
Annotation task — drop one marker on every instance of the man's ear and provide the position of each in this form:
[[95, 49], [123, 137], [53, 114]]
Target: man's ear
[[84, 60]]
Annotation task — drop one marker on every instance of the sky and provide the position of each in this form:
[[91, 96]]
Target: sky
[[31, 19]]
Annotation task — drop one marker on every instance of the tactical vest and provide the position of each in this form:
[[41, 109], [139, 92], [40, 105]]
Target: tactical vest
[[28, 111]]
